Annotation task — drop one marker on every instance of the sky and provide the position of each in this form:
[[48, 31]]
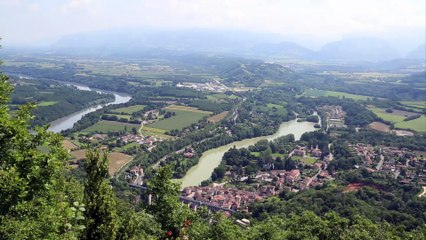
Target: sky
[[31, 22]]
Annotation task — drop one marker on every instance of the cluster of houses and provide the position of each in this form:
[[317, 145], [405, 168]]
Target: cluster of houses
[[335, 115], [210, 86], [143, 140], [94, 137], [150, 116], [304, 151], [267, 184], [400, 162], [229, 198], [334, 112], [367, 152], [135, 175], [187, 152]]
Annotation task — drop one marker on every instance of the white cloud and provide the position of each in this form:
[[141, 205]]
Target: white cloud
[[329, 19], [34, 7], [75, 5]]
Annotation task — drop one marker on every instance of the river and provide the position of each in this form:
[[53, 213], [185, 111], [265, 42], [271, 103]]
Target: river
[[212, 158], [68, 121]]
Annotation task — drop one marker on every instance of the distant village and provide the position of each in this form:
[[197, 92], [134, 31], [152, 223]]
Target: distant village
[[212, 86], [400, 163], [335, 116]]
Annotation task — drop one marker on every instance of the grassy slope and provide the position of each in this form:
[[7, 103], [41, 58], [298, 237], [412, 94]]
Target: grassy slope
[[47, 103], [418, 124], [110, 126], [322, 93], [180, 120], [129, 110], [184, 117]]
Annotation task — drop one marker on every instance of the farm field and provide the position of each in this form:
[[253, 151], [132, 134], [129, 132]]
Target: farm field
[[47, 103], [117, 160], [414, 105], [120, 116], [69, 145], [306, 159], [279, 109], [391, 117], [398, 116], [184, 117], [78, 154], [218, 117], [185, 108], [129, 110], [418, 124], [378, 126], [418, 104], [210, 106], [125, 147], [322, 93], [148, 131], [110, 126], [220, 97]]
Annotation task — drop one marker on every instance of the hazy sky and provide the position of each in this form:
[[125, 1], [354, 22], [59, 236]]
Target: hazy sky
[[34, 22]]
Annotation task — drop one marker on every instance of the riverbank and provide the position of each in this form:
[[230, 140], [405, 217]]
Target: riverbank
[[210, 159], [68, 121]]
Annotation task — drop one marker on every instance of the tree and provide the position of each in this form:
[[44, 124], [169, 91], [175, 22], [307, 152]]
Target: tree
[[101, 216], [166, 207], [223, 229], [135, 225], [34, 196]]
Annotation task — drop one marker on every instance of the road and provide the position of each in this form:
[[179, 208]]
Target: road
[[380, 164], [423, 194]]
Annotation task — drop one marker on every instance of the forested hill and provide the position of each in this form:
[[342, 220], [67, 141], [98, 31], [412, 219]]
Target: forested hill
[[254, 74], [53, 99], [416, 78]]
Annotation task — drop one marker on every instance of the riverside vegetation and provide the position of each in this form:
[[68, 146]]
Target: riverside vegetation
[[42, 198]]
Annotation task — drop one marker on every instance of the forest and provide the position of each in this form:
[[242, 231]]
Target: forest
[[54, 100]]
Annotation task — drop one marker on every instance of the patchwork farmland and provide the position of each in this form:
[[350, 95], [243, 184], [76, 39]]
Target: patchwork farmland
[[184, 117], [110, 126], [397, 117]]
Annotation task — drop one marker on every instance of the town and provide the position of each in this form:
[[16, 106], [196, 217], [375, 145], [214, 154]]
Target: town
[[399, 163]]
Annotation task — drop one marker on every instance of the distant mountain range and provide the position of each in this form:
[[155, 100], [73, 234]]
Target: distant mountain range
[[358, 49], [283, 49], [418, 53], [240, 43]]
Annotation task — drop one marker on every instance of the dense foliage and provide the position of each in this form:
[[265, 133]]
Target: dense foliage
[[54, 100], [41, 199], [356, 114], [383, 200]]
